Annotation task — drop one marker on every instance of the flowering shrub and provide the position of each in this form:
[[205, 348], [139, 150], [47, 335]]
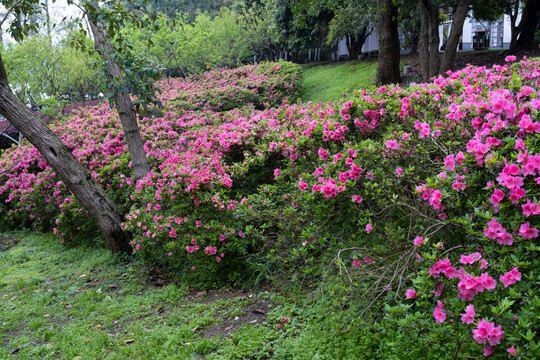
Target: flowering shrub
[[263, 85], [425, 198]]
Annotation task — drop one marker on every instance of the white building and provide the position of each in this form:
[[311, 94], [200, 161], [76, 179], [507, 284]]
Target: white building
[[496, 35]]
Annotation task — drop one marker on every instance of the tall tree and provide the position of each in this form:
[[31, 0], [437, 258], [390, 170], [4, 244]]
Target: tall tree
[[459, 14], [488, 10], [122, 99], [352, 22], [409, 24], [389, 49], [429, 39], [75, 177], [523, 33], [67, 167]]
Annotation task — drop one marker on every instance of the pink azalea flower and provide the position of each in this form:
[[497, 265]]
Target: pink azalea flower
[[512, 350], [392, 144], [449, 162], [460, 157], [318, 172], [323, 154], [526, 232], [510, 277], [369, 227], [458, 185], [486, 331], [530, 208], [443, 267], [468, 317], [438, 290], [439, 313], [418, 240], [471, 258], [210, 250], [497, 197], [410, 294], [302, 185]]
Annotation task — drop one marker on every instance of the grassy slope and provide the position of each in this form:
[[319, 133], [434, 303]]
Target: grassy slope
[[85, 304], [327, 82]]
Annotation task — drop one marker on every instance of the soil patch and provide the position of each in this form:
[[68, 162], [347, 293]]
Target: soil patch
[[254, 312], [7, 242]]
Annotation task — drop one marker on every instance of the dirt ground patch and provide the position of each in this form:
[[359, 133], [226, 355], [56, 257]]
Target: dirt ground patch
[[255, 311], [7, 242]]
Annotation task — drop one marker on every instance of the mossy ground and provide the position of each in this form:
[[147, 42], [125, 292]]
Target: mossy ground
[[84, 303]]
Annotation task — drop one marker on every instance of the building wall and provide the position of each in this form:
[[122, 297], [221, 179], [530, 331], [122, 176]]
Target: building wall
[[372, 42]]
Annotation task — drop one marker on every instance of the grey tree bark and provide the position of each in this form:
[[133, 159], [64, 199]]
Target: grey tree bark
[[458, 19], [126, 112], [92, 197]]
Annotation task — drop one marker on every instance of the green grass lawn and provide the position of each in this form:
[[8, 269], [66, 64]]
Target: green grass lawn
[[84, 303], [327, 82]]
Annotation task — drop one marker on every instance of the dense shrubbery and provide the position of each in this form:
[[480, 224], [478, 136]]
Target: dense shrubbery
[[263, 85], [425, 199]]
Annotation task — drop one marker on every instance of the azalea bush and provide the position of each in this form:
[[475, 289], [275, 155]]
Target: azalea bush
[[263, 85], [421, 204]]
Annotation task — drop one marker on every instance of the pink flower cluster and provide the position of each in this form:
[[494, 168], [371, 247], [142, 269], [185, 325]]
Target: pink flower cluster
[[510, 277], [497, 232], [469, 286], [443, 267], [487, 331]]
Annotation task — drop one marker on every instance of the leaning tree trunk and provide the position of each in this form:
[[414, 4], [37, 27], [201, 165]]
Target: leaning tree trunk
[[458, 19], [389, 51], [526, 28], [67, 167], [127, 114]]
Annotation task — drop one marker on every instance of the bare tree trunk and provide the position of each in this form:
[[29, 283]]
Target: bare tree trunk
[[127, 114], [514, 29], [71, 172], [458, 19], [423, 43], [434, 39], [429, 39], [389, 51], [524, 36], [354, 46]]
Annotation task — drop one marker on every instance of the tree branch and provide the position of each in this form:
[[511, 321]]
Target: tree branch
[[9, 11]]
